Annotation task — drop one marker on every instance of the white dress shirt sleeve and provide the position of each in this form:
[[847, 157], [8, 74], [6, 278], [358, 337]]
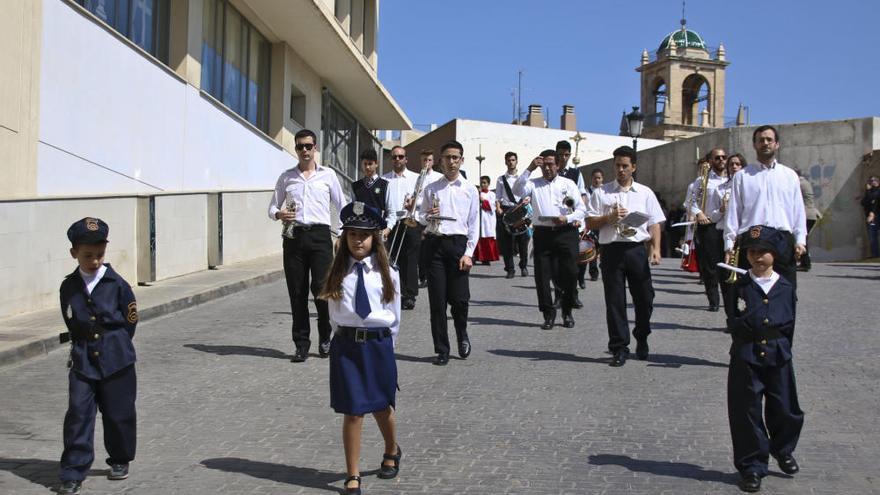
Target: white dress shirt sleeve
[[277, 199], [654, 209], [473, 234], [423, 207], [580, 184], [523, 186], [594, 205], [734, 210], [580, 210], [799, 217], [395, 306], [337, 197]]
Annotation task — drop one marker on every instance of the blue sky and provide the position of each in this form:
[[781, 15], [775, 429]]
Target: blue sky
[[791, 61]]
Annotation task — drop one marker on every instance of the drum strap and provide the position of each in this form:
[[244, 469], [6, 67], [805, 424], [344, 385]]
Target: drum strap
[[507, 189]]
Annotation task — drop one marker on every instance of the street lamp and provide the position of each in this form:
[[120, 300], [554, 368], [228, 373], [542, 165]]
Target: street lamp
[[577, 138], [634, 121]]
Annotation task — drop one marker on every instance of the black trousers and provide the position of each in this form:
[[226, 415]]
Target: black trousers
[[759, 430], [806, 263], [408, 260], [447, 285], [507, 243], [308, 253], [626, 264], [710, 252], [114, 396], [556, 250], [785, 263]]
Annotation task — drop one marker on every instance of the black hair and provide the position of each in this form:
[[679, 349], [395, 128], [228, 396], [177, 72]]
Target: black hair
[[763, 128], [510, 154], [452, 144], [625, 151], [398, 146], [563, 145], [599, 170], [546, 153], [485, 178], [369, 154], [306, 133]]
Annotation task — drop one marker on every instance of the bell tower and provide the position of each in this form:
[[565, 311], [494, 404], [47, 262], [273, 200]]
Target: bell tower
[[682, 86]]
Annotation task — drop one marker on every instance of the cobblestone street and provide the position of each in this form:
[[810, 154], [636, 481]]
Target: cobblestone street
[[223, 410]]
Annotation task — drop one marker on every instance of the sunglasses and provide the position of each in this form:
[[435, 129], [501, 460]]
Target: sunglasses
[[398, 157], [719, 157], [304, 146], [452, 158]]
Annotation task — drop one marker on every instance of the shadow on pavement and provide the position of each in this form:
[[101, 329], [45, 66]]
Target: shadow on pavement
[[280, 473], [875, 277], [414, 359], [239, 350], [680, 326], [499, 303], [485, 320], [548, 356], [673, 361], [39, 471], [664, 468], [679, 291]]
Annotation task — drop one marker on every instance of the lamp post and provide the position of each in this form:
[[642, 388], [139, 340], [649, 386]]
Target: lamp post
[[480, 159], [634, 122], [577, 138]]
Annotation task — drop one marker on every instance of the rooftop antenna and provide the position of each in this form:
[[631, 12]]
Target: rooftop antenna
[[683, 20]]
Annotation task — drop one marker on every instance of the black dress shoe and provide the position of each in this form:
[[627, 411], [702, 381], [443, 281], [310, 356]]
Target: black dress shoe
[[118, 472], [440, 360], [642, 349], [549, 320], [510, 274], [408, 304], [750, 482], [582, 284], [71, 487], [618, 360], [567, 320], [387, 472], [423, 283], [524, 272], [355, 490], [464, 348], [299, 356], [788, 465], [324, 349], [577, 303]]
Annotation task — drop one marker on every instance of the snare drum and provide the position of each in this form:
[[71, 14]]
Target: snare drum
[[517, 219], [587, 249]]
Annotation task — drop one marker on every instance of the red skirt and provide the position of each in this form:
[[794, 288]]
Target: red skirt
[[487, 250]]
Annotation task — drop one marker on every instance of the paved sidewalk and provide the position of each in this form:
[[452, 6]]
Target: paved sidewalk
[[33, 334], [222, 410]]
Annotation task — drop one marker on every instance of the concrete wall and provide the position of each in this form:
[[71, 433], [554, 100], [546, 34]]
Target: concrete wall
[[247, 231], [181, 234], [831, 155]]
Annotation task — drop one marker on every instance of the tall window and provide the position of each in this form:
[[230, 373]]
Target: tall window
[[144, 22], [235, 62], [343, 140]]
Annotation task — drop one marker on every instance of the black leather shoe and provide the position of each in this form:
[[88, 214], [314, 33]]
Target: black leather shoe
[[524, 272], [750, 482], [582, 284], [510, 274], [549, 320], [355, 490], [642, 349], [788, 465], [577, 303], [567, 320], [324, 349], [408, 304], [464, 348], [71, 487], [299, 356], [423, 283], [713, 308], [618, 360], [387, 472], [118, 472], [440, 360]]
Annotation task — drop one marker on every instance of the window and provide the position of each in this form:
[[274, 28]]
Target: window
[[235, 62], [297, 106], [343, 139], [144, 22]]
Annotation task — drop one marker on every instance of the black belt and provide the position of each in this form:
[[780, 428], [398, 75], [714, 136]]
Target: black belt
[[444, 236], [554, 228], [363, 334], [311, 226]]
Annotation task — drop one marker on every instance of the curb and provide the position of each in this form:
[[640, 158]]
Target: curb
[[45, 345]]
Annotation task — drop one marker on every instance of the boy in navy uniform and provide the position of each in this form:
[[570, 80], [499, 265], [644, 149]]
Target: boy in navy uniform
[[100, 312], [760, 364], [371, 189]]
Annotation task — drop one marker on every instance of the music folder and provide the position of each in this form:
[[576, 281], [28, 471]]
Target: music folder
[[635, 219]]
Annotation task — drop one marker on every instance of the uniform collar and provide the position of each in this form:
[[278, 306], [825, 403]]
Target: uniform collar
[[632, 186], [368, 263], [109, 273]]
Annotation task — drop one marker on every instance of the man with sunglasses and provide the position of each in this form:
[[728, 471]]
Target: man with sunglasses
[[401, 184], [709, 239], [311, 190]]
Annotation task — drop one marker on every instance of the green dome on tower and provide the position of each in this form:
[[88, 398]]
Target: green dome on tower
[[684, 37]]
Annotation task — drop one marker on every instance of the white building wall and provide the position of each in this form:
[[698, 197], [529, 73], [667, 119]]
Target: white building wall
[[181, 234], [247, 231]]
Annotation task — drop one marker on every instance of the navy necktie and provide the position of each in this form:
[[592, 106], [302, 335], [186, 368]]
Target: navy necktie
[[361, 301]]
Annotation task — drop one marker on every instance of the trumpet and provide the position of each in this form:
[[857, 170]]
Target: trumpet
[[405, 215], [434, 220], [622, 229], [287, 227], [734, 261], [704, 185]]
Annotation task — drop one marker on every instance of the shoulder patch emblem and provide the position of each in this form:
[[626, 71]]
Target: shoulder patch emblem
[[132, 316], [68, 312], [378, 190], [741, 304], [92, 224], [755, 232]]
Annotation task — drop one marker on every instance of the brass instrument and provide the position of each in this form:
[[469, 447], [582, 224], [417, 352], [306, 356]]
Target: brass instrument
[[405, 215], [287, 227], [434, 220], [734, 261], [622, 229], [704, 185]]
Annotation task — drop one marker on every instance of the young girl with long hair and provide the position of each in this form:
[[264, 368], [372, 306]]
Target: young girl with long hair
[[363, 296]]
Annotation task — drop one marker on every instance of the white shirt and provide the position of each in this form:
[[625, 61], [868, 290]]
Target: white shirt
[[342, 313], [580, 180], [313, 196], [399, 187], [431, 177], [501, 191], [548, 198], [769, 196], [766, 283], [91, 280], [720, 191], [639, 198], [712, 184], [459, 200]]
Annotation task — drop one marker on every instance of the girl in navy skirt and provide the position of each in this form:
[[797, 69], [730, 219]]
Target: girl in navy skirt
[[363, 295]]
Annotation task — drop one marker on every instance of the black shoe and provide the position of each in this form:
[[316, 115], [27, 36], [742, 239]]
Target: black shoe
[[577, 303], [510, 274], [788, 465], [713, 308], [549, 319], [387, 472], [423, 283], [567, 320], [582, 284], [619, 359], [524, 272], [750, 482], [464, 348], [408, 304], [642, 349], [440, 360], [299, 356], [324, 349], [118, 472], [354, 490], [71, 487]]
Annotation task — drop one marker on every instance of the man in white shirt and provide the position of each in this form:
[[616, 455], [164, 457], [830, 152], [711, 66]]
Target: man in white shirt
[[303, 197], [563, 153], [710, 245], [505, 200], [557, 207], [427, 159], [768, 193], [402, 238], [625, 256], [450, 209]]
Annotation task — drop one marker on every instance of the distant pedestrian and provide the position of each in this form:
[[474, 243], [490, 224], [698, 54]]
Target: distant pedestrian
[[871, 204], [100, 312], [363, 297], [813, 216], [487, 249]]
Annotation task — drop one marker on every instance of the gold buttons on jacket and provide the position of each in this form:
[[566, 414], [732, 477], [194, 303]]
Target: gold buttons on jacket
[[97, 336], [96, 354], [766, 301], [762, 353], [764, 341], [92, 318], [766, 321]]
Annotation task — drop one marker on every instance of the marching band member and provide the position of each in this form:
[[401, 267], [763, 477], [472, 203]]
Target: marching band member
[[708, 240], [563, 153], [487, 249], [624, 254], [401, 184], [557, 207], [735, 163], [427, 159], [371, 189], [504, 201], [449, 209], [312, 189], [768, 193], [597, 178]]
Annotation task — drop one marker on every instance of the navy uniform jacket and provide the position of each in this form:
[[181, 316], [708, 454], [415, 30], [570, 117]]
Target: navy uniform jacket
[[374, 196], [763, 325], [101, 325]]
